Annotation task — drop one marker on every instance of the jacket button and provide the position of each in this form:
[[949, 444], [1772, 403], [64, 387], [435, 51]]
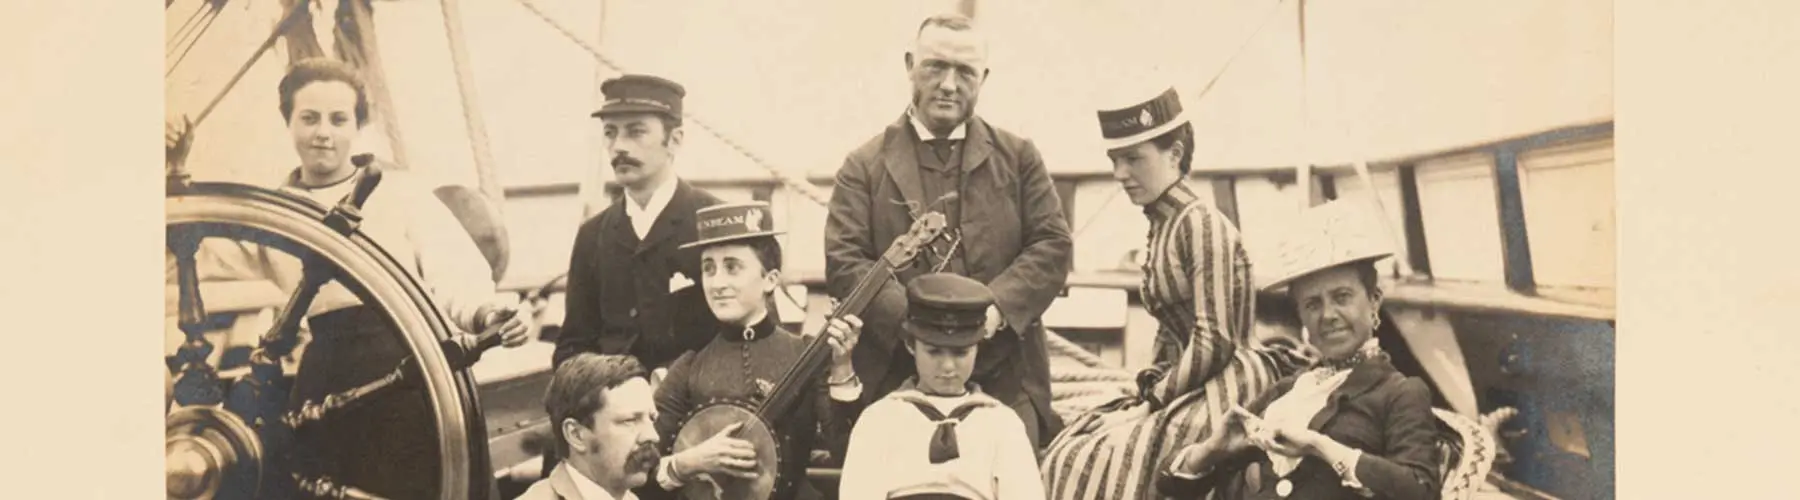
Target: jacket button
[[634, 312]]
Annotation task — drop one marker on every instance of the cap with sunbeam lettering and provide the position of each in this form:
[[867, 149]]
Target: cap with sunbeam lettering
[[732, 222]]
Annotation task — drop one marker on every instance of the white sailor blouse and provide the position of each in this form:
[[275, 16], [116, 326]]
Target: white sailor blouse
[[910, 442]]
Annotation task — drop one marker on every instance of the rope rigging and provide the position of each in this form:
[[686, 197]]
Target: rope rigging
[[190, 32], [287, 19], [1079, 230], [798, 185]]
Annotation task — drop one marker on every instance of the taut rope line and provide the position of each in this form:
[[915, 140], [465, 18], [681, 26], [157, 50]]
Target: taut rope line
[[798, 185], [286, 20]]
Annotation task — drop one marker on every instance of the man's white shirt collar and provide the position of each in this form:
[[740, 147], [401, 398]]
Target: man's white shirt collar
[[961, 130], [642, 218], [589, 489]]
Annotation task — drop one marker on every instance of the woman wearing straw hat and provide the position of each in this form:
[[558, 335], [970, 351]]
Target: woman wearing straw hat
[[1197, 284], [1351, 427]]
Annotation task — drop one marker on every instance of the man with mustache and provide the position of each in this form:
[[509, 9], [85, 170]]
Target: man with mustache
[[604, 421], [1007, 225], [630, 285]]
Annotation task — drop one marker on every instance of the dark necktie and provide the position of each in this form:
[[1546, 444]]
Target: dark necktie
[[943, 446], [943, 148]]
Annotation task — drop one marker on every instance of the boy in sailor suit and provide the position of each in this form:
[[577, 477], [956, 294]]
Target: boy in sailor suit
[[938, 436]]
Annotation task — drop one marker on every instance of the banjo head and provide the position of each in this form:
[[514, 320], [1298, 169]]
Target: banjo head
[[708, 421]]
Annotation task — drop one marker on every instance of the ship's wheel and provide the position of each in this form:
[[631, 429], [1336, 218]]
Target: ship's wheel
[[245, 432]]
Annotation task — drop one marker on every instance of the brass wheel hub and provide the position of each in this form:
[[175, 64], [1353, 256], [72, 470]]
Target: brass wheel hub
[[210, 453]]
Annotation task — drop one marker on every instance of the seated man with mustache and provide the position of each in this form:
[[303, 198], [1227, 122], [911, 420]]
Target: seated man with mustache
[[604, 420], [749, 352]]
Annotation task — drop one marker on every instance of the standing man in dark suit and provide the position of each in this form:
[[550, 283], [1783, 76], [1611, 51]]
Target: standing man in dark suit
[[1010, 230], [632, 289]]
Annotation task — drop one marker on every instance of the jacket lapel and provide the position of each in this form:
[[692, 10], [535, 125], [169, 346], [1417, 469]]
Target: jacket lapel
[[617, 231], [563, 485], [1363, 378], [978, 145], [901, 158], [671, 219]]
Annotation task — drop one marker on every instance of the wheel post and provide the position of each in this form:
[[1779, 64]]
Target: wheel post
[[198, 384]]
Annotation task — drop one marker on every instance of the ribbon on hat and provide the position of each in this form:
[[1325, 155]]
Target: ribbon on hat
[[1140, 118], [636, 100], [943, 441]]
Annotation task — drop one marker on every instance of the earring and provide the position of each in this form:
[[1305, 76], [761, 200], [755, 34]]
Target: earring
[[1377, 323]]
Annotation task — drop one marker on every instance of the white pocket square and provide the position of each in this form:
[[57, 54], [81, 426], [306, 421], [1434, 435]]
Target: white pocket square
[[678, 282]]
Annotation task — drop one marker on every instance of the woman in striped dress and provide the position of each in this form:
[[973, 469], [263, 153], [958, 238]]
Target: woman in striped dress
[[1197, 284]]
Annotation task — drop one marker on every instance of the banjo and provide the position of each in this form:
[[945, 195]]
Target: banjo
[[715, 416]]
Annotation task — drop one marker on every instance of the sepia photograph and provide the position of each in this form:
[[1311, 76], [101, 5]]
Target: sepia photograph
[[920, 249]]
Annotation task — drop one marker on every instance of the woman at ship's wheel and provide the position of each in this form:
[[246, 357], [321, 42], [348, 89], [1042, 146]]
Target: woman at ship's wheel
[[1197, 284], [377, 445]]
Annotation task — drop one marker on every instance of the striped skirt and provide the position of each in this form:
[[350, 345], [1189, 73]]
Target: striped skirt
[[1122, 462]]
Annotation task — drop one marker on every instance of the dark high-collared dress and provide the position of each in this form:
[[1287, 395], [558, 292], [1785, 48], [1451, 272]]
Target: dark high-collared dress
[[731, 367]]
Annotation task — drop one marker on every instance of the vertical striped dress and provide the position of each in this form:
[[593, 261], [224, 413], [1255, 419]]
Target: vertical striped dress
[[1197, 285]]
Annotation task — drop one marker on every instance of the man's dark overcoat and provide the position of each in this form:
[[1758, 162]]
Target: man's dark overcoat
[[1015, 239]]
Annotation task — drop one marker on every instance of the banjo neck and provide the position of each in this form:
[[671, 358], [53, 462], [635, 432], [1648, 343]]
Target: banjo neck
[[925, 229], [817, 356]]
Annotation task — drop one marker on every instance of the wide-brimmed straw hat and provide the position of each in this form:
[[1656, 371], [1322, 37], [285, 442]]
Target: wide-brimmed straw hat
[[1322, 237], [1137, 109]]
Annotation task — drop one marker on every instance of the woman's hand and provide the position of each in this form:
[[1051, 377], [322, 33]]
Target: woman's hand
[[1291, 439], [1228, 434], [515, 325], [1130, 413], [721, 454], [1226, 439], [178, 139], [842, 334]]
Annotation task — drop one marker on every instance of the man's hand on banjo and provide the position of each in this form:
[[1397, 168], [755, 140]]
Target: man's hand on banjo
[[720, 454]]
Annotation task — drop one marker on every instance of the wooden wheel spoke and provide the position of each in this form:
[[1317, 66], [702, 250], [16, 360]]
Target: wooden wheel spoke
[[314, 411], [461, 352], [185, 244], [257, 397], [199, 383], [324, 487], [284, 334]]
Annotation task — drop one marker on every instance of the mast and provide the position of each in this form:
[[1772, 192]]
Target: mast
[[592, 188], [1304, 175]]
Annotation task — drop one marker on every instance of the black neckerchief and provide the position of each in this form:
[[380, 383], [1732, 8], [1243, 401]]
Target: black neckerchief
[[294, 180]]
